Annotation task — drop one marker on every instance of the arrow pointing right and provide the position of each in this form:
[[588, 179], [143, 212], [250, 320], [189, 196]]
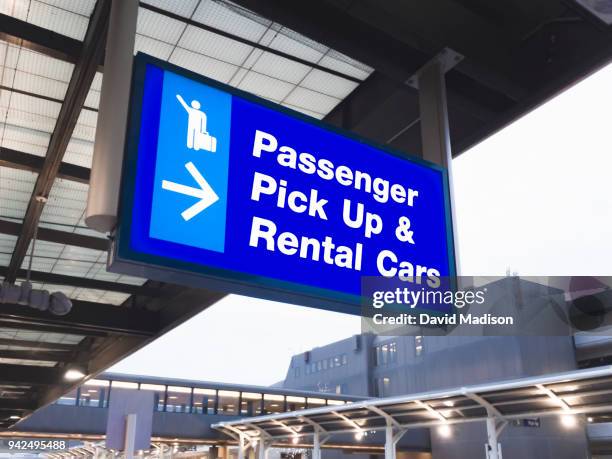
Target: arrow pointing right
[[206, 194]]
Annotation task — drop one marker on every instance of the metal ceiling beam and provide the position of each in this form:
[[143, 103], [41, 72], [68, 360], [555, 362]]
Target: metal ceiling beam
[[16, 404], [74, 281], [60, 237], [42, 328], [87, 317], [33, 163], [338, 29], [78, 87], [37, 344], [30, 375], [48, 356], [39, 39]]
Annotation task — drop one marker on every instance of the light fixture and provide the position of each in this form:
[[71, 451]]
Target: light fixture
[[590, 419], [358, 435], [15, 417], [602, 9], [74, 374], [294, 440], [449, 403], [568, 421], [444, 431]]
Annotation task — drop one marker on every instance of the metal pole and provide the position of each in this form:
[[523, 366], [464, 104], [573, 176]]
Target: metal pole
[[262, 450], [435, 135], [241, 447], [492, 447], [109, 143], [316, 445], [130, 435], [389, 443]]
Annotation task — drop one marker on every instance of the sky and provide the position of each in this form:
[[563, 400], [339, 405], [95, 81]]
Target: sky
[[535, 198]]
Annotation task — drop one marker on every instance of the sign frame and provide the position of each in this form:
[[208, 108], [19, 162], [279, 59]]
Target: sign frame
[[124, 260]]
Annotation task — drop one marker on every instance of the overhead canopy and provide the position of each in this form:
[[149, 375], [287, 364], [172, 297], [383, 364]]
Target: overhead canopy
[[572, 393]]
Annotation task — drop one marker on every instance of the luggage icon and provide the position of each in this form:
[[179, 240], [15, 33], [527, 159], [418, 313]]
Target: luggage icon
[[198, 137]]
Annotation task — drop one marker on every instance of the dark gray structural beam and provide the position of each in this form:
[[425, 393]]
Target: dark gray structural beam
[[78, 87], [60, 237], [43, 345], [61, 279], [49, 356], [87, 317], [338, 29], [33, 163], [39, 39], [18, 404], [30, 375]]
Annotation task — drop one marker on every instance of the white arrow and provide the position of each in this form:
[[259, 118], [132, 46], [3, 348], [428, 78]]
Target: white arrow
[[206, 194]]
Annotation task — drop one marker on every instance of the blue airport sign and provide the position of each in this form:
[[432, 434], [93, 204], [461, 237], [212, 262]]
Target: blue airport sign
[[224, 190]]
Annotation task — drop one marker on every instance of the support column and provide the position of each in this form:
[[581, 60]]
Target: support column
[[492, 447], [316, 445], [389, 442], [435, 135], [109, 144], [130, 435], [241, 447], [262, 450]]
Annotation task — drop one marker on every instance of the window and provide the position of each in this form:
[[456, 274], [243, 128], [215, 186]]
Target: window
[[274, 403], [296, 372], [382, 387], [386, 354], [319, 365], [336, 402], [178, 399], [250, 404], [295, 403], [307, 369], [418, 345], [204, 400], [316, 402], [337, 361], [94, 393], [344, 359], [69, 399], [228, 402], [158, 396]]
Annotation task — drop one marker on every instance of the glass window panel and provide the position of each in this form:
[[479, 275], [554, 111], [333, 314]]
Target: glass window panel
[[69, 399], [159, 391], [314, 402], [274, 403], [336, 402], [178, 399], [124, 385], [94, 396], [250, 404], [295, 403], [344, 359], [228, 402], [204, 401]]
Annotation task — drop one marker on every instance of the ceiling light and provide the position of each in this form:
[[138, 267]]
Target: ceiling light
[[15, 417], [569, 421], [358, 435], [590, 419], [295, 440], [74, 374], [449, 403], [444, 431]]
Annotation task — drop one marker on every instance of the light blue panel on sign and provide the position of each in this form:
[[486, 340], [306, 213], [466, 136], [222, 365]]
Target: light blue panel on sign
[[191, 171]]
